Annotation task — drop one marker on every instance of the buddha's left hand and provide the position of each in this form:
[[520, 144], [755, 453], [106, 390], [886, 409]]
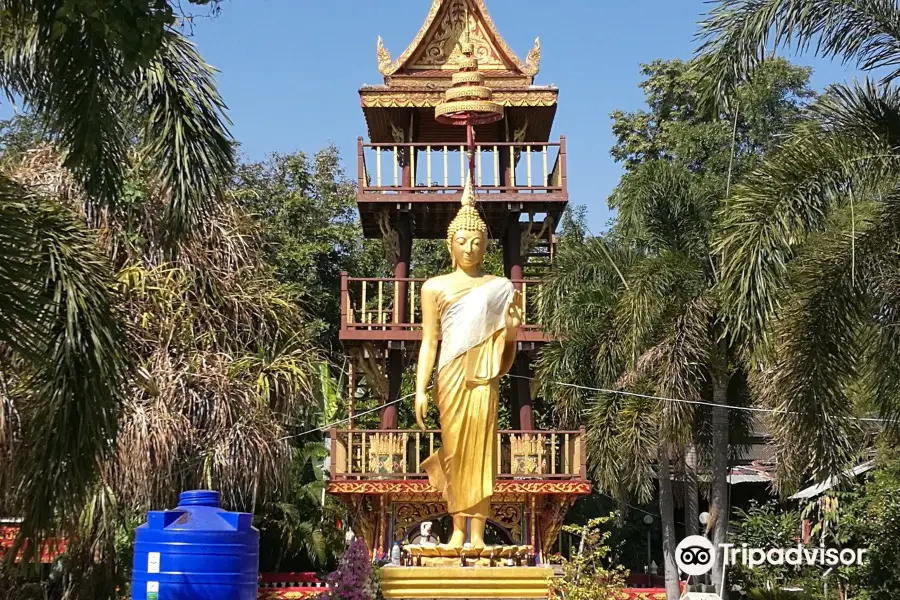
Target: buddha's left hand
[[514, 313]]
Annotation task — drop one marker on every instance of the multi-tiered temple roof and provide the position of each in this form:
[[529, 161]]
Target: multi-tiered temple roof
[[418, 77]]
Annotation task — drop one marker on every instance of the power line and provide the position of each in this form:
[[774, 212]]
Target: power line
[[752, 409], [355, 415], [683, 401]]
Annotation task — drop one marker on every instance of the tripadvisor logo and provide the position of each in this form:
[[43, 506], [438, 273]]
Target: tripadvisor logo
[[695, 555]]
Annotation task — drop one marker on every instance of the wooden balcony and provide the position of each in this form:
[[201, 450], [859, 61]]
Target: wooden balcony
[[372, 309], [427, 179], [389, 461]]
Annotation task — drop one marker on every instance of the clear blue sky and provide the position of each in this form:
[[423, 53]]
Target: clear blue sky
[[290, 69]]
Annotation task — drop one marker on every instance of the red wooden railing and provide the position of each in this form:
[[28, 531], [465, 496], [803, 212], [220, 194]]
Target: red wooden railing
[[375, 304], [501, 167], [534, 454]]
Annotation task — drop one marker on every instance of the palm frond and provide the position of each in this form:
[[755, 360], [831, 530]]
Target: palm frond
[[880, 343], [818, 354], [71, 72], [249, 461], [20, 291], [599, 350], [230, 366], [604, 454], [77, 386], [577, 301], [152, 444], [736, 34], [185, 137], [662, 204], [639, 440], [622, 443], [866, 111], [824, 165], [655, 289], [687, 354], [584, 281]]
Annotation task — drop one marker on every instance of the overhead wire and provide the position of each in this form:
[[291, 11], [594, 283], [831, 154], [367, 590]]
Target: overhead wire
[[755, 409]]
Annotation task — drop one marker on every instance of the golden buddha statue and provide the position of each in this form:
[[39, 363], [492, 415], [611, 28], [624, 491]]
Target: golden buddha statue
[[478, 317]]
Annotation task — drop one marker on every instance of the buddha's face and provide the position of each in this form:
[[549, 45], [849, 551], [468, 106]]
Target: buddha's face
[[467, 248]]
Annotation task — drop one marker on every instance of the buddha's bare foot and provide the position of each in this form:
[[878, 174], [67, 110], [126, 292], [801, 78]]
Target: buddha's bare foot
[[477, 537], [457, 539]]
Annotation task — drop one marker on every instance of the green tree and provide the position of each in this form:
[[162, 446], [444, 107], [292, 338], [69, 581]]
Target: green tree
[[585, 575], [306, 209], [641, 304], [881, 525], [229, 375], [96, 75], [809, 238], [767, 526]]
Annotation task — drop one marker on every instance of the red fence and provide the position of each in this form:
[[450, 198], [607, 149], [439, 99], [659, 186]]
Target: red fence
[[50, 549], [289, 586]]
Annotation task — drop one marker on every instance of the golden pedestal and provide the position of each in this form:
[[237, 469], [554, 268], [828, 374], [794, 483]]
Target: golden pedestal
[[465, 582]]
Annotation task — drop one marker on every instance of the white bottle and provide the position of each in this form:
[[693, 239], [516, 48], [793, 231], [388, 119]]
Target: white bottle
[[395, 554]]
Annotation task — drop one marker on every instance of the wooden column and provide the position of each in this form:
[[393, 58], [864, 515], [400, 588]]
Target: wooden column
[[513, 261], [521, 390], [390, 413], [523, 412], [512, 249]]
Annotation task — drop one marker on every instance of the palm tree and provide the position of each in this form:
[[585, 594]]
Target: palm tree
[[809, 242], [641, 305], [100, 77], [229, 371], [737, 34]]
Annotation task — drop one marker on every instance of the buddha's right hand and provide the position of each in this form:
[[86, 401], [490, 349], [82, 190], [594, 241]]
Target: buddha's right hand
[[421, 408]]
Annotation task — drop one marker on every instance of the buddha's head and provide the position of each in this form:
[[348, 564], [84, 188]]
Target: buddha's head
[[467, 234]]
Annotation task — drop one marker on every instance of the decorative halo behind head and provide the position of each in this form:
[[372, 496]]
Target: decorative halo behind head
[[467, 219]]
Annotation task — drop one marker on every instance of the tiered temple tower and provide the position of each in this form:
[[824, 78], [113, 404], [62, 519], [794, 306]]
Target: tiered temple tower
[[410, 178]]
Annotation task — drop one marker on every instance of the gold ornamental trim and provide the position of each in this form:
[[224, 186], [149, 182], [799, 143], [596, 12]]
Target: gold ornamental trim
[[475, 92], [468, 62], [290, 593], [407, 99], [442, 8], [578, 487], [491, 80], [480, 106], [533, 60], [467, 77], [455, 582]]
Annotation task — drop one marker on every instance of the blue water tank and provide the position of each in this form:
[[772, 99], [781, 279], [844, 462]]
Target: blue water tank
[[196, 552]]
